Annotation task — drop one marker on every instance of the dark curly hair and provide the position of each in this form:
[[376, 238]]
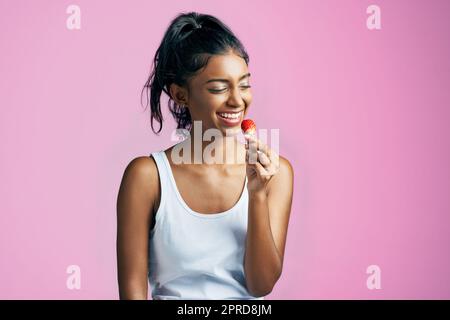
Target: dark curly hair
[[188, 43]]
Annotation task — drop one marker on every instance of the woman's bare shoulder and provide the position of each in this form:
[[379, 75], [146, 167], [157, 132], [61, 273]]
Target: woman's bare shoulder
[[141, 175], [284, 176], [142, 167], [286, 165]]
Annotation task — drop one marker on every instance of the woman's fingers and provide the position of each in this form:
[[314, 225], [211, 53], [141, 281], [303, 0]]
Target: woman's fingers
[[263, 159], [274, 158], [260, 169], [259, 151], [255, 144]]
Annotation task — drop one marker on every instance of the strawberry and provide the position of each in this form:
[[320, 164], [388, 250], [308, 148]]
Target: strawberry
[[248, 126]]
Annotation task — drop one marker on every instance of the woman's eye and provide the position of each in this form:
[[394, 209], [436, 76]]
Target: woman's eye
[[217, 90], [221, 90]]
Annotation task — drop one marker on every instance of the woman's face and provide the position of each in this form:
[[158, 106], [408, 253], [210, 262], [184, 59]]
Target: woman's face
[[220, 94]]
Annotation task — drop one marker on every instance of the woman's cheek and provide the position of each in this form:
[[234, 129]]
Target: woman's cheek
[[248, 99]]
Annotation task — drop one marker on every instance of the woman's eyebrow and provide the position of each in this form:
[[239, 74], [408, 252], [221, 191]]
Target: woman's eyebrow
[[225, 80]]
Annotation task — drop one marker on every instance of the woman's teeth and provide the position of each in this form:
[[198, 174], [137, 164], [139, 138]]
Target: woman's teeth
[[230, 115]]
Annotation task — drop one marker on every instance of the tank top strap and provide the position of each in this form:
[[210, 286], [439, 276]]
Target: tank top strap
[[164, 175]]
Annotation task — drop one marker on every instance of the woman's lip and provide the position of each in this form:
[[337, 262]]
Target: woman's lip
[[229, 111], [230, 121]]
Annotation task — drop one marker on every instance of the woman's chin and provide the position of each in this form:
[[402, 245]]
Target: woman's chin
[[231, 131]]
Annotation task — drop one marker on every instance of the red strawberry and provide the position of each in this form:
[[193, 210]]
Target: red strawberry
[[248, 126]]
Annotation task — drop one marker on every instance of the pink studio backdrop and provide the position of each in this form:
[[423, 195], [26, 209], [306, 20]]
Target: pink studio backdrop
[[364, 119]]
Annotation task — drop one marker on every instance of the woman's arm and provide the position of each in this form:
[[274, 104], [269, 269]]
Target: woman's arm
[[268, 220], [135, 204]]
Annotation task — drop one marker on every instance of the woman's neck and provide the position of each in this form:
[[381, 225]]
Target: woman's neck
[[220, 151]]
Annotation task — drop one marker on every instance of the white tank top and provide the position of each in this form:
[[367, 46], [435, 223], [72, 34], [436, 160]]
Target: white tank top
[[195, 255]]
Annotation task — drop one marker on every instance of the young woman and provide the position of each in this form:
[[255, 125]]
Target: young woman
[[196, 229]]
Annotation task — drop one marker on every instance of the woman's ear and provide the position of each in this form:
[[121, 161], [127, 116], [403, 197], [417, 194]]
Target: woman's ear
[[178, 94]]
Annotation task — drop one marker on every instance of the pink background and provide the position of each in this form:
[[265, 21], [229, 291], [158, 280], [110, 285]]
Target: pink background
[[364, 118]]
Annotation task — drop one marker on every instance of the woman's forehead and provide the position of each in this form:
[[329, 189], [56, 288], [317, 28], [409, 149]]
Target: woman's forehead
[[231, 67]]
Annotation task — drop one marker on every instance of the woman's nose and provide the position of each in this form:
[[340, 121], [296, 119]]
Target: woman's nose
[[235, 98]]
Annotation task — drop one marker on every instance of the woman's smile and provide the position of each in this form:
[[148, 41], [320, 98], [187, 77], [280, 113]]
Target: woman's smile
[[230, 118]]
